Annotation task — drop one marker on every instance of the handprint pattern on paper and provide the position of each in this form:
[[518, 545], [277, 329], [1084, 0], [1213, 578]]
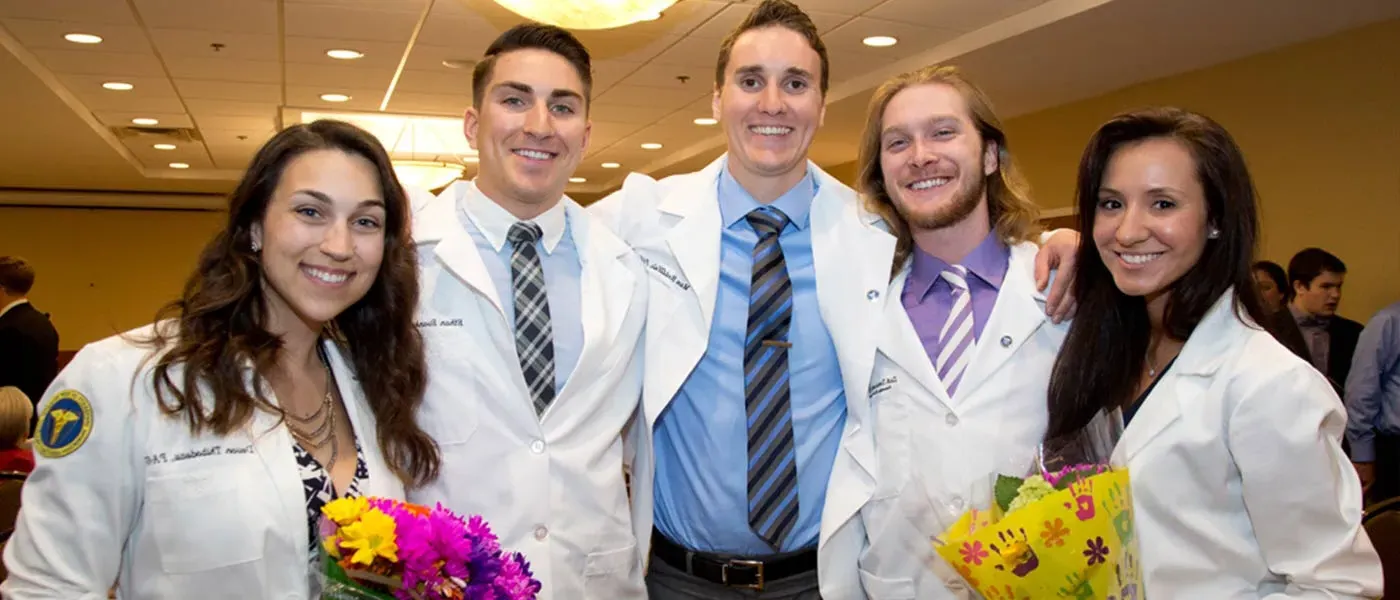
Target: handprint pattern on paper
[[1054, 533], [1078, 587], [1128, 573], [966, 573], [1118, 503], [1015, 550], [1083, 492], [1004, 592]]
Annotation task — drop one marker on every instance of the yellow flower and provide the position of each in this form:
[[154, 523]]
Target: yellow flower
[[371, 537], [345, 511], [332, 546]]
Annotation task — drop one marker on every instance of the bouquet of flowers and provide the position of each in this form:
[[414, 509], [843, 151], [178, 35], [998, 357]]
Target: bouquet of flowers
[[380, 549], [1063, 531]]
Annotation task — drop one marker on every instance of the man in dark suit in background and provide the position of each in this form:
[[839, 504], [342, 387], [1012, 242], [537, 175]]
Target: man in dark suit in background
[[1308, 324], [28, 341]]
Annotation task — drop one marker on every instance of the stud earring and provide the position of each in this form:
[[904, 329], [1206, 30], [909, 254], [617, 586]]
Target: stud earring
[[256, 246], [1213, 234]]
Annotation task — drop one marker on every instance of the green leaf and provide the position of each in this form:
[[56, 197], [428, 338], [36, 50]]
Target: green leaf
[[1006, 489]]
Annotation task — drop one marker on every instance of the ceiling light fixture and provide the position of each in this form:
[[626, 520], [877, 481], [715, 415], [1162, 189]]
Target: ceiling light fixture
[[344, 54], [426, 174], [179, 166], [164, 146], [880, 41], [147, 121], [120, 86], [651, 146], [705, 121], [459, 63], [427, 152], [578, 180], [335, 97], [610, 165], [83, 38], [588, 14]]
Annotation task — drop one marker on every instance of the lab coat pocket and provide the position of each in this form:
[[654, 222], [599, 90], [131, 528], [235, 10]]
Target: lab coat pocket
[[611, 574], [199, 522], [884, 588]]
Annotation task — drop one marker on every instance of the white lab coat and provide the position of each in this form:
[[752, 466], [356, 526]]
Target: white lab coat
[[550, 487], [1240, 486], [674, 225], [936, 451], [165, 514]]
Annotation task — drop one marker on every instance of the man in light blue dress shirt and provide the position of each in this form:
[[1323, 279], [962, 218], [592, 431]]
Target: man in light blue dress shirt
[[1373, 405]]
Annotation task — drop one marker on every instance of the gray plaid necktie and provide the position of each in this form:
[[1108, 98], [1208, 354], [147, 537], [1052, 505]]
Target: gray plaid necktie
[[773, 503], [534, 336]]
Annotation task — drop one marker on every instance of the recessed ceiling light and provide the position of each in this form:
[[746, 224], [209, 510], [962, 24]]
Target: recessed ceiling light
[[144, 121], [578, 179], [705, 121], [334, 97], [880, 41], [610, 165], [164, 146], [120, 86], [344, 54], [459, 63], [179, 166], [83, 38], [651, 146]]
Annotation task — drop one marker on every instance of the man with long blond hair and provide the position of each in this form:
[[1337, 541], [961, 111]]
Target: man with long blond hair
[[964, 357]]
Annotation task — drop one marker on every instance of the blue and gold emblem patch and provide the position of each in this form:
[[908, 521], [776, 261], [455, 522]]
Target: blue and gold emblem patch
[[64, 426]]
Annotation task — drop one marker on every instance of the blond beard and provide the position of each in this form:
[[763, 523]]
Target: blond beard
[[963, 204]]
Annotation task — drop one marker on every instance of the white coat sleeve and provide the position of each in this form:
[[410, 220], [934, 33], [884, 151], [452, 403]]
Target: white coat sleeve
[[621, 210], [78, 508], [1301, 493]]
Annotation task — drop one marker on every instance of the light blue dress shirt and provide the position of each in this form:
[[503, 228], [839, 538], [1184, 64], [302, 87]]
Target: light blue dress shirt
[[701, 438], [1373, 385], [488, 225]]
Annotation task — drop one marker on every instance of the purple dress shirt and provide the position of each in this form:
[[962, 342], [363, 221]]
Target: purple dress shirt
[[928, 297]]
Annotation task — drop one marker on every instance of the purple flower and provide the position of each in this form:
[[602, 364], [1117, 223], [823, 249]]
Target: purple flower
[[1097, 551]]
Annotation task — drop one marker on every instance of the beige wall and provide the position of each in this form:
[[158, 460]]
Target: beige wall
[[103, 271], [1319, 123]]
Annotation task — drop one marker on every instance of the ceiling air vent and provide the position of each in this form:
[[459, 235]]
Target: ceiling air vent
[[159, 134]]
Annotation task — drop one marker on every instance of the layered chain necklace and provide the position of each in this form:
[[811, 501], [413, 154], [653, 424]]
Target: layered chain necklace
[[316, 430]]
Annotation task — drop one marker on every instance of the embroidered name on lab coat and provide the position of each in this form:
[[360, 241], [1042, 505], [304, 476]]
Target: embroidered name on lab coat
[[437, 323], [161, 458], [665, 273], [885, 384]]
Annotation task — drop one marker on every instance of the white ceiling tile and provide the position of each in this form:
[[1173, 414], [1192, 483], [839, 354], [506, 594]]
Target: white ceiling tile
[[90, 86], [604, 133], [201, 109], [310, 50], [143, 148], [845, 65], [958, 15], [612, 45], [607, 73], [123, 119], [233, 158], [227, 90], [186, 43], [35, 35], [673, 98], [310, 97], [452, 105], [413, 6], [699, 79], [470, 34], [453, 82], [913, 39], [226, 128], [225, 69], [347, 75], [336, 22], [162, 104], [238, 16], [691, 52], [730, 18], [845, 7], [104, 12], [78, 62], [428, 57], [683, 18], [627, 114]]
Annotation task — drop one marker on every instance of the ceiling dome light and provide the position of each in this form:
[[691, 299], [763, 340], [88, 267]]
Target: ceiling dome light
[[120, 86], [335, 97], [164, 146], [83, 38], [179, 166], [343, 54], [578, 180], [426, 174], [610, 165], [145, 121], [880, 41], [651, 146], [705, 121], [588, 14]]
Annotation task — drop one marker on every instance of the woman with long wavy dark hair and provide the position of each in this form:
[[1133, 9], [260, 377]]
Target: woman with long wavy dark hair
[[189, 458], [1239, 483]]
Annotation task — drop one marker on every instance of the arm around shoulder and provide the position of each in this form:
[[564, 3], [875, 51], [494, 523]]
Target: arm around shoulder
[[1285, 436], [81, 499]]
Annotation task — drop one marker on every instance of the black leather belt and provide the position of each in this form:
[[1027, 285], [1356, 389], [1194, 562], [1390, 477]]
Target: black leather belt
[[732, 572]]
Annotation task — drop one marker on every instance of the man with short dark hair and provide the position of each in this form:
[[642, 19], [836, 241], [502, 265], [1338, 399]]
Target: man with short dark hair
[[1309, 324], [28, 341], [532, 314]]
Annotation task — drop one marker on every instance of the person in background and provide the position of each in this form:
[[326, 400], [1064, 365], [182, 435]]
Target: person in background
[[191, 458], [1272, 282], [28, 340], [1239, 484], [1310, 325], [1373, 405], [16, 410], [533, 312]]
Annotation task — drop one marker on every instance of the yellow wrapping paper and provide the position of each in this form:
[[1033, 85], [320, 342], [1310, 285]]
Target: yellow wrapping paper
[[1076, 543]]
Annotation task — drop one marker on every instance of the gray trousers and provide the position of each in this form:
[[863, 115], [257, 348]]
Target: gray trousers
[[665, 582]]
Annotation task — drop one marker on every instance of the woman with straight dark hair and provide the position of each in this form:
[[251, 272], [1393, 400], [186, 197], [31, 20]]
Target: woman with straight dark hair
[[190, 458], [1239, 482]]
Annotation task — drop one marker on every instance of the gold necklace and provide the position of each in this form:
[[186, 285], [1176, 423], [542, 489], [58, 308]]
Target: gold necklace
[[310, 434]]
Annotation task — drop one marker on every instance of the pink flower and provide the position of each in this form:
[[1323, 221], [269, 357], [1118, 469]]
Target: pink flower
[[973, 553]]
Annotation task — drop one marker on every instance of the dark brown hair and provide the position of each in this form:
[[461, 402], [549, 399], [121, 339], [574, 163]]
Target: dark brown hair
[[16, 275], [216, 326], [528, 36], [1104, 351], [1307, 265], [775, 13], [1009, 206]]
